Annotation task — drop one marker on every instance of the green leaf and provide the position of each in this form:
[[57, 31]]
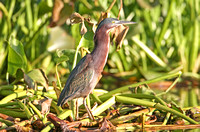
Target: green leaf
[[36, 75], [66, 55], [29, 81], [19, 74], [76, 33], [16, 56], [61, 59], [88, 37], [176, 107]]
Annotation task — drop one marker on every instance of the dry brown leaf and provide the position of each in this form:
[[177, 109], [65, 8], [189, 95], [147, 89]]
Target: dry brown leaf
[[124, 118], [62, 9], [58, 5], [83, 29], [6, 117], [19, 127], [45, 104], [38, 125], [59, 124], [118, 34], [152, 120], [106, 125], [76, 18]]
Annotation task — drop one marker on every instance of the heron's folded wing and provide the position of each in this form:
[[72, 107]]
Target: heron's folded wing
[[73, 79], [80, 83]]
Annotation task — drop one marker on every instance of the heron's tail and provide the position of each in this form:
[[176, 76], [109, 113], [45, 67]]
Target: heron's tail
[[62, 98]]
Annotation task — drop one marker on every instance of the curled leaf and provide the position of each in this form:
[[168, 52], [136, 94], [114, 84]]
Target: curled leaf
[[36, 75], [60, 125], [6, 117], [118, 34], [76, 18], [29, 81], [16, 56], [45, 104], [38, 125], [62, 9], [83, 29], [89, 22], [61, 59], [106, 125]]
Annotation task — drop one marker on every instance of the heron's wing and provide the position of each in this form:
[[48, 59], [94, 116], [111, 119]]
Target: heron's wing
[[80, 83], [78, 79]]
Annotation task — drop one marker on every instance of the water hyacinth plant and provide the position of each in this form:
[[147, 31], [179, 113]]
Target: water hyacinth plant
[[151, 82]]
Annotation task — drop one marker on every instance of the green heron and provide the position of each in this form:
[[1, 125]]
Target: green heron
[[87, 72]]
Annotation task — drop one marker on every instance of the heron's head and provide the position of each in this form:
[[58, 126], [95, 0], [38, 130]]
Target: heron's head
[[109, 23]]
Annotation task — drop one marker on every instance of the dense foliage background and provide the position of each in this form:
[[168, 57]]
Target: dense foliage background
[[165, 41]]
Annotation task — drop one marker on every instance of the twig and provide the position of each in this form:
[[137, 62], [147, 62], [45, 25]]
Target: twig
[[121, 6], [110, 7]]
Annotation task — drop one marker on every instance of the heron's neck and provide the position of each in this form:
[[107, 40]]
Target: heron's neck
[[101, 49]]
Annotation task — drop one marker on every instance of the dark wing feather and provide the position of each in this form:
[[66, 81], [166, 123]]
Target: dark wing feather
[[78, 79]]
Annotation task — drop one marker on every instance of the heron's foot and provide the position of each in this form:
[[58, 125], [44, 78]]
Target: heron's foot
[[89, 114], [88, 110], [106, 125], [77, 118]]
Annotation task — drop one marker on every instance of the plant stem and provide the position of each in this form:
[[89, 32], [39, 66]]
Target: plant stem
[[126, 88]]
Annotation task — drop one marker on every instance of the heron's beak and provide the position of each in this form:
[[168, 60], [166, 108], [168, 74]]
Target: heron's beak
[[124, 22]]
